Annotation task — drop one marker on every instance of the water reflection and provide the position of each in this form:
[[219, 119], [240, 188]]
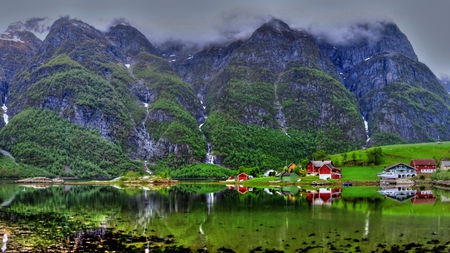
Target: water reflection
[[401, 193], [424, 197], [417, 196], [323, 196], [234, 217]]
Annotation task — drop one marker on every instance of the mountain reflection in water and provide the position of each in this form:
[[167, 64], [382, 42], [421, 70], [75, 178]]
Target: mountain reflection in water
[[217, 218]]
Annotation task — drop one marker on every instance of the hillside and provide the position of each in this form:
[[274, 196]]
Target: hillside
[[279, 95]]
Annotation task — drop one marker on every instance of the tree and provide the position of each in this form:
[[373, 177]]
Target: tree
[[321, 155], [344, 157]]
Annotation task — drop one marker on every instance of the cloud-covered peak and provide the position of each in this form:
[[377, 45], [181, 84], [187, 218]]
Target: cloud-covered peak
[[38, 26]]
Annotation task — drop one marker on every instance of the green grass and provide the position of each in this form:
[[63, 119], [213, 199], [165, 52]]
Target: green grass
[[361, 173], [406, 152], [392, 154]]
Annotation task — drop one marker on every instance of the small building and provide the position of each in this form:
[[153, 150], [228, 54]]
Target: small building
[[445, 165], [291, 167], [398, 171], [313, 167], [289, 177], [328, 171], [424, 167], [242, 177]]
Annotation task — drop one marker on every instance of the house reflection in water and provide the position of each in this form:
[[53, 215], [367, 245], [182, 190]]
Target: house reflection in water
[[424, 197], [398, 193], [323, 196], [242, 189]]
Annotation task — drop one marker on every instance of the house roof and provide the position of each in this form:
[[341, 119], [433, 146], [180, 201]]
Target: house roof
[[320, 163], [445, 163], [397, 164], [424, 161]]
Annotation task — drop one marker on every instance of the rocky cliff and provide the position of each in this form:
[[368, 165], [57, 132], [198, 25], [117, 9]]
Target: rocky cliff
[[279, 95], [397, 94]]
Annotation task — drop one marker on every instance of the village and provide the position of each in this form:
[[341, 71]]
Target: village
[[395, 182], [399, 173]]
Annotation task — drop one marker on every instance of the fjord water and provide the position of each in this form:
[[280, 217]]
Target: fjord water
[[195, 217]]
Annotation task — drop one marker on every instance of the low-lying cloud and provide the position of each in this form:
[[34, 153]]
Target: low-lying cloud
[[343, 35]]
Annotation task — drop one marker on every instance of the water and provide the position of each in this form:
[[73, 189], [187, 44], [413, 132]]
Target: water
[[191, 217]]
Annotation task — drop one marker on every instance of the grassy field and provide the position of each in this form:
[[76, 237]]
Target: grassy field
[[391, 155], [361, 173], [402, 153]]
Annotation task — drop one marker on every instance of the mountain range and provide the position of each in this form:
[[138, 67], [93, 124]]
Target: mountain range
[[90, 103]]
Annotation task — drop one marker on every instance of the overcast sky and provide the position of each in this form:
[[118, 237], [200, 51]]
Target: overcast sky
[[425, 23]]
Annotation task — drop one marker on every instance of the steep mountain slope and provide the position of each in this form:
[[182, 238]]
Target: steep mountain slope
[[276, 97], [87, 78], [396, 93], [277, 84], [16, 49]]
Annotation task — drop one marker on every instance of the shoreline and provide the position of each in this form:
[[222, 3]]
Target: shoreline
[[169, 182]]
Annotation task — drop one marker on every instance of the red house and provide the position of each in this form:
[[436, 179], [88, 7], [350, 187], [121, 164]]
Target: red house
[[313, 166], [424, 167], [242, 177], [328, 171]]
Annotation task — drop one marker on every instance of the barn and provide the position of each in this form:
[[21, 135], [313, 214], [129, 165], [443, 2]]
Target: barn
[[313, 166], [424, 167], [328, 171], [242, 177]]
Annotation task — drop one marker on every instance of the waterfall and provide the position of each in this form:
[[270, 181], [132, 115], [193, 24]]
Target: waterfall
[[5, 115], [366, 127], [208, 158]]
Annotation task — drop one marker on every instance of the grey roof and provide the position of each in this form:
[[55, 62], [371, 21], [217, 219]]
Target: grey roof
[[320, 163], [397, 165], [445, 163]]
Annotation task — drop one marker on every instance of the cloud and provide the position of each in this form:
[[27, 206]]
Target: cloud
[[347, 34], [238, 23], [117, 21], [39, 26]]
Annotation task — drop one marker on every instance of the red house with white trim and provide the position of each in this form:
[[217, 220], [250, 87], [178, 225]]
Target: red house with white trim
[[328, 171], [242, 177], [424, 167], [313, 167]]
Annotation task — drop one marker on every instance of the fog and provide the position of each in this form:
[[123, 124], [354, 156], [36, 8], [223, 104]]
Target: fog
[[204, 21]]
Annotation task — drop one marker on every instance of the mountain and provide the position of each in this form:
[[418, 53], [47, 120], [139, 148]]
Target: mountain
[[279, 95], [399, 97], [88, 79]]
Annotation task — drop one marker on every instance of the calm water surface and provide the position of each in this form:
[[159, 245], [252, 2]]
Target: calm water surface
[[216, 218]]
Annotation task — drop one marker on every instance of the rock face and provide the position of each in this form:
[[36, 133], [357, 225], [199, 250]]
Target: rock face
[[113, 83], [280, 94], [396, 93]]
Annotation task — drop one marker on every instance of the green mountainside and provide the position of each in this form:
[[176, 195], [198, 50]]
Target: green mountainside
[[86, 103]]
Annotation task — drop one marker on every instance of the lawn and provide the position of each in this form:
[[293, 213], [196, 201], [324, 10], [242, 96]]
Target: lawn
[[400, 153], [365, 173]]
